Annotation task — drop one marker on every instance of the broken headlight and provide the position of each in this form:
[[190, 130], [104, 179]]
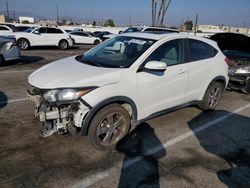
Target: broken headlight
[[62, 95]]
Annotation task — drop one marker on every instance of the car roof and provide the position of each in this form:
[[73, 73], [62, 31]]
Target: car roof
[[159, 36]]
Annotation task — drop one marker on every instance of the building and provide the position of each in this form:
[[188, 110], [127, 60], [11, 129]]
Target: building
[[2, 19], [23, 19], [220, 29]]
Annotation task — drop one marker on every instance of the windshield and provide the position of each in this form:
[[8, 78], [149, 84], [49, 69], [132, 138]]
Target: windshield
[[30, 29], [118, 52]]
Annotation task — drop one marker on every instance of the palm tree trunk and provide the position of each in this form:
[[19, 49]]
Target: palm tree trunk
[[167, 3]]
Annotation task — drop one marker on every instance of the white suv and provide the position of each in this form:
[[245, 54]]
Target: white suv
[[126, 80], [43, 36]]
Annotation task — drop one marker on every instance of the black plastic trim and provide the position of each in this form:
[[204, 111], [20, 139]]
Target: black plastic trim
[[98, 107], [154, 115]]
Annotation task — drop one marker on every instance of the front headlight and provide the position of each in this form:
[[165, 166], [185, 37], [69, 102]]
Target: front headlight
[[244, 70], [62, 95]]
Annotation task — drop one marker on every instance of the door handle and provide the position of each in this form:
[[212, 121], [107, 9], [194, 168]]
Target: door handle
[[182, 71]]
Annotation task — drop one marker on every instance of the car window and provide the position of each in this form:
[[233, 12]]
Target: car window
[[200, 50], [54, 31], [118, 52], [3, 28], [42, 30], [83, 34], [169, 53]]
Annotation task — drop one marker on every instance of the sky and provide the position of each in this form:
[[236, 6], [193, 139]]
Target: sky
[[216, 12]]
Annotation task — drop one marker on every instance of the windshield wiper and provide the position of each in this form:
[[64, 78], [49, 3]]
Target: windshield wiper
[[80, 59]]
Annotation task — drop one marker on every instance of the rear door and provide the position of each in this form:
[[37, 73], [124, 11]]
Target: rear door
[[54, 35], [200, 62], [85, 38]]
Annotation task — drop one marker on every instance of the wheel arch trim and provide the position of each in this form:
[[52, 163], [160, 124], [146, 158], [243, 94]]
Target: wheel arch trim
[[117, 99]]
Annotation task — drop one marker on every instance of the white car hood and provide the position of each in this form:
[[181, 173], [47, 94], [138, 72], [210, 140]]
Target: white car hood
[[69, 73]]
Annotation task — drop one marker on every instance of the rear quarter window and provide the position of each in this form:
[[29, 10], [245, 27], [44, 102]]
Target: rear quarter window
[[200, 50]]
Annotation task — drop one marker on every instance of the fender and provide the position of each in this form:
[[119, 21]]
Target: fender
[[99, 106], [219, 78]]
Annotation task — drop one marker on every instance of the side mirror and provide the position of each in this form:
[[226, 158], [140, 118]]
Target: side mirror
[[156, 66], [120, 32], [36, 32]]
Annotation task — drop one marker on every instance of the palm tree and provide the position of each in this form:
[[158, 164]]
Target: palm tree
[[161, 12]]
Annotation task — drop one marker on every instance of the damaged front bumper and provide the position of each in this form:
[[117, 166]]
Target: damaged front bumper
[[59, 117]]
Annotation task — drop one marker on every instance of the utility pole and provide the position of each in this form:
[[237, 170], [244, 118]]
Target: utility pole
[[57, 15], [14, 16], [196, 23], [7, 9], [129, 20]]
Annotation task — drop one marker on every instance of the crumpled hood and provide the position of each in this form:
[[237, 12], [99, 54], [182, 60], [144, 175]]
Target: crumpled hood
[[69, 73]]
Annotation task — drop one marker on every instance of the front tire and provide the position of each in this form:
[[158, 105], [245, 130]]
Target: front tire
[[23, 44], [63, 45], [212, 96], [108, 127]]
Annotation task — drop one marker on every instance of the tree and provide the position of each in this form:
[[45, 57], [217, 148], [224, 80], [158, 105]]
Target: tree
[[189, 25], [159, 20], [110, 23], [94, 23], [25, 22]]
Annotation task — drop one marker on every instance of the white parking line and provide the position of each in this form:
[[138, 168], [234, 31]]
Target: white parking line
[[88, 181], [12, 101], [16, 71]]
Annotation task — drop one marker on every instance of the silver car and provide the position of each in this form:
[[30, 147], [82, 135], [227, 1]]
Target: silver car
[[8, 49]]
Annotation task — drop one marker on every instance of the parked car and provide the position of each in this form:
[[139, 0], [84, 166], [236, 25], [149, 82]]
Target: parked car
[[101, 34], [8, 49], [84, 38], [82, 30], [236, 47], [5, 29], [124, 81], [147, 29], [143, 29], [43, 36], [22, 28]]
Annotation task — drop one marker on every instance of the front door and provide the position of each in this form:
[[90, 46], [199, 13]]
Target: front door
[[158, 91]]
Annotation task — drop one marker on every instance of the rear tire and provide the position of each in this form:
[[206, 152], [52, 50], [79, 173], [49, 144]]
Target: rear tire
[[2, 60], [63, 45], [108, 127], [23, 44], [212, 96]]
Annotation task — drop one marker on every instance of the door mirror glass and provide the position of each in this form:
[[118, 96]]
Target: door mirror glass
[[156, 66]]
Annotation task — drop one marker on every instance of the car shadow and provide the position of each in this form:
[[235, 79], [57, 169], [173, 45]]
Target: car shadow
[[3, 100], [142, 151], [24, 60], [229, 140]]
